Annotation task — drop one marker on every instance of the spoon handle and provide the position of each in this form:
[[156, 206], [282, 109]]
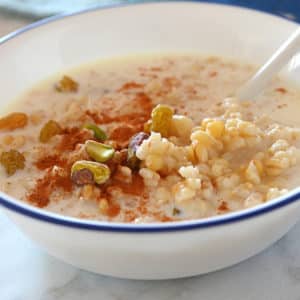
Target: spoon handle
[[272, 66]]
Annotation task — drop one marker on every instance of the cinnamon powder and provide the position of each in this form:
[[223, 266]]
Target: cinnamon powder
[[129, 124]]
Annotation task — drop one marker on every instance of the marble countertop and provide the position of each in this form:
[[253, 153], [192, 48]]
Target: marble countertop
[[26, 272]]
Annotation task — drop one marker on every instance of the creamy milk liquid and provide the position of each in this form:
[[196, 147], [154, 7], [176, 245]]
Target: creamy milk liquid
[[194, 86]]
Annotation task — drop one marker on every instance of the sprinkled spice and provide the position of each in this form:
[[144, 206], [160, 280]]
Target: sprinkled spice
[[141, 101], [223, 207], [51, 181], [136, 187], [73, 136], [123, 133], [113, 209], [49, 161], [130, 85], [281, 90]]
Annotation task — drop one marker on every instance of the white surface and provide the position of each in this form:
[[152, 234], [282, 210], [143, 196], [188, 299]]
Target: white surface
[[41, 8], [9, 23], [27, 273]]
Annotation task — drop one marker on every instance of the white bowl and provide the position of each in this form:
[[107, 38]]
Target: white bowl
[[152, 251]]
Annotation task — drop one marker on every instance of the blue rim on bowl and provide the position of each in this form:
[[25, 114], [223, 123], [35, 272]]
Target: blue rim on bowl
[[41, 215]]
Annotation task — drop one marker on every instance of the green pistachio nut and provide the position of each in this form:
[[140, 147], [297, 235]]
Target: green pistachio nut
[[98, 151], [100, 171], [132, 161], [99, 133]]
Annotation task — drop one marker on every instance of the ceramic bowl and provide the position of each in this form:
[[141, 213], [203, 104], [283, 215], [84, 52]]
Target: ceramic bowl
[[149, 251]]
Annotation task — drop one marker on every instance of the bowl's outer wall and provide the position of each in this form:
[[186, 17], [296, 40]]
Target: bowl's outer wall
[[160, 255], [204, 28]]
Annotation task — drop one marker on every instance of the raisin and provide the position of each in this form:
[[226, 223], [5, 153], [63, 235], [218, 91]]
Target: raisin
[[67, 84], [12, 161], [50, 129], [14, 121]]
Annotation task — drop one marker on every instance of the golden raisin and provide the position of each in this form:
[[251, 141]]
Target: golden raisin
[[12, 161], [50, 129], [14, 121], [67, 84]]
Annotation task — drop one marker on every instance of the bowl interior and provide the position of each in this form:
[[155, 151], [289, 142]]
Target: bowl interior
[[59, 43], [184, 26]]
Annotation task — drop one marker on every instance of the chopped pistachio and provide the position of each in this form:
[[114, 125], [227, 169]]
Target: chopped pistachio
[[101, 172], [50, 129], [98, 151], [98, 132], [82, 177], [132, 161], [12, 161], [162, 119]]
